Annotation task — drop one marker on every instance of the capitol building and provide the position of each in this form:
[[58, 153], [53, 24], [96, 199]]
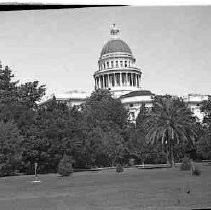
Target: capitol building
[[117, 72]]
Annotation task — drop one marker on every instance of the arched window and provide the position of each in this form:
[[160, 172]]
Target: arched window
[[112, 64], [117, 64], [107, 64], [121, 63]]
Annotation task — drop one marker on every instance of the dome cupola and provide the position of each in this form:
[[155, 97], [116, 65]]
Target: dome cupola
[[117, 70], [115, 46]]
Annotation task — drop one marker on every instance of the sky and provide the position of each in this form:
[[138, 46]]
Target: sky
[[60, 48]]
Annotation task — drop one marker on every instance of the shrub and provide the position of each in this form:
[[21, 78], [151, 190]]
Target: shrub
[[119, 168], [195, 171], [131, 161], [185, 165], [65, 166]]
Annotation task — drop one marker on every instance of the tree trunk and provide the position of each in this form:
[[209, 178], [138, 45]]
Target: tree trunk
[[172, 156], [167, 157]]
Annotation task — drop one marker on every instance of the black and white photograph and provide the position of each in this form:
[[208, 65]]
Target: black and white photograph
[[105, 107]]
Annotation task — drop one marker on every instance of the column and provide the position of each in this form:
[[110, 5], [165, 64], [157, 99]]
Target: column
[[108, 80], [103, 84], [95, 82], [126, 79], [112, 80], [99, 82], [132, 79], [106, 77], [120, 78], [139, 80], [104, 81]]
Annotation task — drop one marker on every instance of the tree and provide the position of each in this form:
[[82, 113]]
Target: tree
[[8, 88], [8, 93], [10, 148], [204, 143], [101, 109], [53, 132], [206, 109], [114, 146], [30, 93], [141, 118], [18, 102], [171, 123], [104, 120], [65, 166]]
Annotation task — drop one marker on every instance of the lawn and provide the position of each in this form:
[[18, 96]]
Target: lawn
[[132, 189]]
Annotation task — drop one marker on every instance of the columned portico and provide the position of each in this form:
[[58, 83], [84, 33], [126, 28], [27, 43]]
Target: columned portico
[[117, 79]]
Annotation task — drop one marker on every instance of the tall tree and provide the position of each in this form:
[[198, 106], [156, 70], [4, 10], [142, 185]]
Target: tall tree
[[170, 122], [104, 119]]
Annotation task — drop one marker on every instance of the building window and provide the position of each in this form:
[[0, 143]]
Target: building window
[[117, 64], [103, 65], [125, 63], [131, 105], [107, 64], [121, 63], [112, 64]]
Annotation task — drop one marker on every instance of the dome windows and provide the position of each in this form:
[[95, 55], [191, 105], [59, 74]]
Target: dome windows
[[121, 63], [125, 63], [112, 62]]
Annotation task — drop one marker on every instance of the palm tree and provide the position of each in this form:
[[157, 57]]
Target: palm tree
[[171, 122]]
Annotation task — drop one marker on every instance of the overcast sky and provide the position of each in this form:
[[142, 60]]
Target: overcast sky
[[60, 48]]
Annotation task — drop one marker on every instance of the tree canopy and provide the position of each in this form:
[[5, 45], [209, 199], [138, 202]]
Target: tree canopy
[[170, 122], [97, 133]]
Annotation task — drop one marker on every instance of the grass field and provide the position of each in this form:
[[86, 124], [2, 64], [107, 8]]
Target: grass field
[[132, 189]]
